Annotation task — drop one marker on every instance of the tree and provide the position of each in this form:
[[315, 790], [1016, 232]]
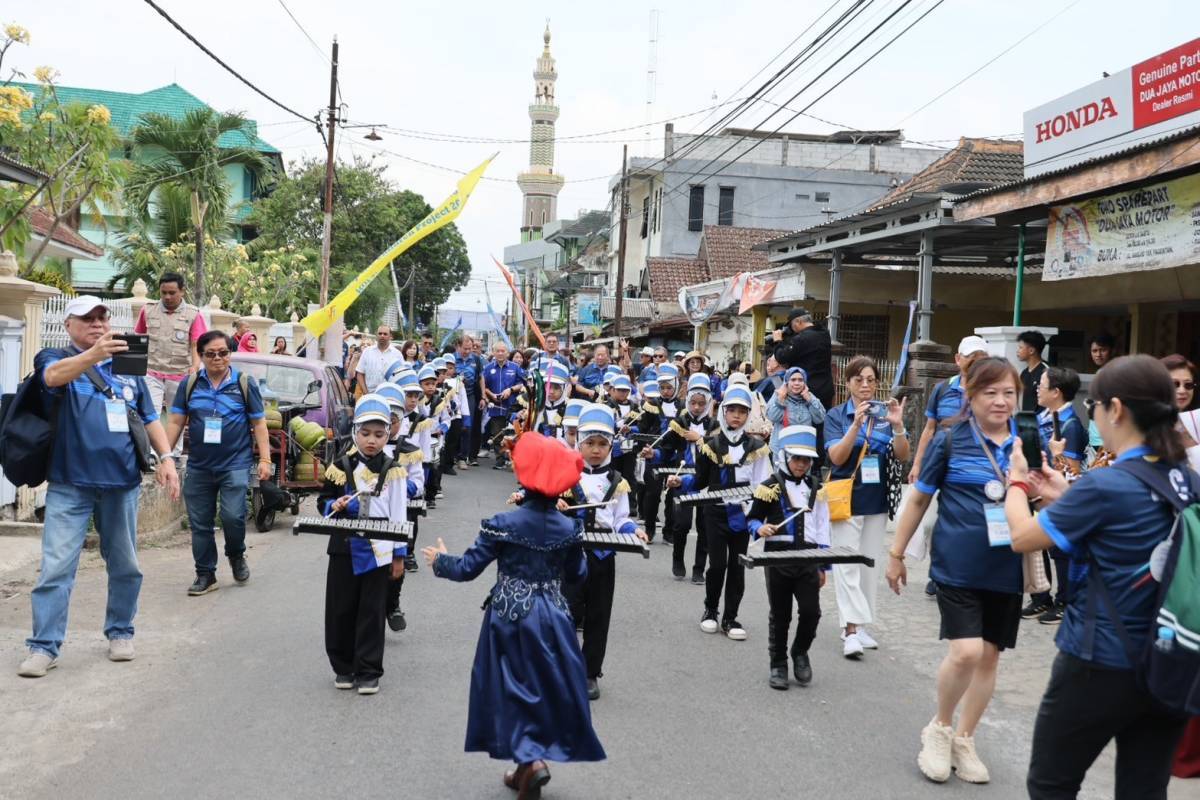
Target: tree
[[369, 214], [138, 252], [186, 153]]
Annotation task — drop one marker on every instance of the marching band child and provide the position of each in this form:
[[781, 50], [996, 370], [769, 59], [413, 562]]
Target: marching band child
[[364, 483], [528, 697], [624, 410], [550, 419], [591, 601], [656, 415], [792, 489], [433, 407], [728, 459], [401, 443]]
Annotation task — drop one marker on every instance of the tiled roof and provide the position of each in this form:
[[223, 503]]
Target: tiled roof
[[41, 220], [127, 108], [669, 275], [973, 162], [726, 249], [12, 169]]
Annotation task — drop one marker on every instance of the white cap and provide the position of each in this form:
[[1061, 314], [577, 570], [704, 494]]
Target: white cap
[[738, 377], [83, 304], [972, 344], [648, 351], [679, 354]]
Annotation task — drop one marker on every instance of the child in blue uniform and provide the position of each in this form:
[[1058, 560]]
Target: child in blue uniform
[[528, 701]]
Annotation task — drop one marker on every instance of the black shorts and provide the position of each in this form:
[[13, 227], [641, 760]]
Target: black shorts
[[979, 614]]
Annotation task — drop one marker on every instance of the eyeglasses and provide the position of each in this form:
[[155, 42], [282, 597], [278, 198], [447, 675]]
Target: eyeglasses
[[1090, 405], [865, 379], [214, 354], [1188, 385], [659, 356]]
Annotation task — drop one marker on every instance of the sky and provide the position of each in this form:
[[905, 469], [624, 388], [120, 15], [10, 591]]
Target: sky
[[425, 70]]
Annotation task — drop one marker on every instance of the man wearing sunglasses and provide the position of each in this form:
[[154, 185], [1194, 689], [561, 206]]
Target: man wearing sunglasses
[[93, 474], [221, 410]]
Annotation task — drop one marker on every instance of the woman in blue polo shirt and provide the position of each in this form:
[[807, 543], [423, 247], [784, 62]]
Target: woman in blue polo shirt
[[979, 578], [847, 428], [1107, 521]]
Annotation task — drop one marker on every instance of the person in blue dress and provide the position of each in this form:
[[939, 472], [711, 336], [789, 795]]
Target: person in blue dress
[[1110, 524], [979, 577], [528, 698]]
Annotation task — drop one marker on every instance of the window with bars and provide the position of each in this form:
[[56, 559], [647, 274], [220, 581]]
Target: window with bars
[[725, 206], [645, 216], [864, 334], [696, 208]]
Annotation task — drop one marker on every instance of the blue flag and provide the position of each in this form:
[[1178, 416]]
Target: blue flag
[[451, 332], [495, 322]]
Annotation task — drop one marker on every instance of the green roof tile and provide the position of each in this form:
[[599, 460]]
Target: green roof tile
[[127, 109]]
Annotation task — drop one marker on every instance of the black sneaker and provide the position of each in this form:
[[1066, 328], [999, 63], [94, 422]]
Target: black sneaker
[[802, 669], [431, 503], [734, 630], [678, 570], [474, 462], [1053, 615], [449, 471], [241, 572], [708, 622], [593, 689], [343, 681], [410, 563], [931, 590], [668, 538], [396, 620], [205, 582], [697, 576], [1035, 608], [367, 686], [779, 678]]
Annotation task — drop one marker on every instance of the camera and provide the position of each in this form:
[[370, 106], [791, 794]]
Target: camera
[[878, 410]]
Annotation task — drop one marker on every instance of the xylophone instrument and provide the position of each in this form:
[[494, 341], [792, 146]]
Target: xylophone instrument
[[362, 528], [416, 504], [666, 472], [812, 555], [606, 539], [733, 494]]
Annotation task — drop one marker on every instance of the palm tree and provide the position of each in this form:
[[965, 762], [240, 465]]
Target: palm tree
[[185, 153]]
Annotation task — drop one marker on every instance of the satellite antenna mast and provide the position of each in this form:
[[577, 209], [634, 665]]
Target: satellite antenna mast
[[651, 79]]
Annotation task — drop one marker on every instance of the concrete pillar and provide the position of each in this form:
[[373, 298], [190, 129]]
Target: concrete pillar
[[925, 289], [299, 336], [834, 318], [1002, 340], [23, 300], [218, 318], [260, 326], [139, 300]]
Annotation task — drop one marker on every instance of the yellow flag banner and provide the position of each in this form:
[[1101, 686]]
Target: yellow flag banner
[[317, 322]]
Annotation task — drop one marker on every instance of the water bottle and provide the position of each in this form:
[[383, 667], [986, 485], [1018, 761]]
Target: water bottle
[[1166, 639]]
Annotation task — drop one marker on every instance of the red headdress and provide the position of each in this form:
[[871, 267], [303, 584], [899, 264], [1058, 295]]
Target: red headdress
[[545, 466]]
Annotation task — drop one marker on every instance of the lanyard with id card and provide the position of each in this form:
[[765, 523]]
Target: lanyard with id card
[[999, 534], [870, 470], [212, 430], [115, 413]]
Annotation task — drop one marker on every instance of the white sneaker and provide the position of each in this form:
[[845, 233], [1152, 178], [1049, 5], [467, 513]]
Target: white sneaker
[[120, 649], [965, 761], [708, 623], [735, 631], [865, 639], [935, 757], [440, 495], [36, 665], [851, 646]]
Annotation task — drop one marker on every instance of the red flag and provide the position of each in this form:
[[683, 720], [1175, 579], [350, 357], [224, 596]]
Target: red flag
[[755, 291], [512, 284]]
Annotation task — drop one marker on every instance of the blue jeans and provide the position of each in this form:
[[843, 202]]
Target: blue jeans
[[200, 491], [68, 509]]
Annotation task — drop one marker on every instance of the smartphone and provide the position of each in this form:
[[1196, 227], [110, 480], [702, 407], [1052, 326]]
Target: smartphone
[[1057, 424], [133, 360], [878, 410], [1031, 439]]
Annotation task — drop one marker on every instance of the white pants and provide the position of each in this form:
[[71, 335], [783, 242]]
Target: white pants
[[162, 397], [856, 584]]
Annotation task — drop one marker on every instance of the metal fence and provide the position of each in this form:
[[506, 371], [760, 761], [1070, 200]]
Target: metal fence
[[886, 376], [54, 332]]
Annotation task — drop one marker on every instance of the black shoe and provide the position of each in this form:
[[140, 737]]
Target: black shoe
[[499, 465], [205, 582], [1054, 615], [474, 462], [678, 570], [410, 563], [449, 471], [708, 622], [697, 576], [1036, 608], [343, 681], [593, 687], [668, 538], [241, 572], [396, 620], [779, 678], [931, 590], [367, 686], [431, 503], [802, 669]]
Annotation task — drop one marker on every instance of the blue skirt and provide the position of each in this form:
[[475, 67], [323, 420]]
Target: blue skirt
[[529, 690]]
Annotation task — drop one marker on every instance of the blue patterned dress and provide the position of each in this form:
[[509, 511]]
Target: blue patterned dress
[[528, 683]]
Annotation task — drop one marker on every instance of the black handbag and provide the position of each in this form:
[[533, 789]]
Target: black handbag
[[142, 451]]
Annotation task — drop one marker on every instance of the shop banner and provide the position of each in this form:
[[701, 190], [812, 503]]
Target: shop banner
[[1153, 227], [701, 302], [755, 292]]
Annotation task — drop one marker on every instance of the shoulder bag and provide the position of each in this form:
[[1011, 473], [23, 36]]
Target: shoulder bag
[[837, 493]]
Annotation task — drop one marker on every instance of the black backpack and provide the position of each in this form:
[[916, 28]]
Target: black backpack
[[26, 435]]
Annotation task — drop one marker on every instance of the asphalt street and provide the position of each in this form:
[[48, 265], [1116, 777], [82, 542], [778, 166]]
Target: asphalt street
[[231, 694]]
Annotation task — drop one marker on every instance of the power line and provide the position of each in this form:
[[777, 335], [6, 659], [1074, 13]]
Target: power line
[[228, 68], [312, 41]]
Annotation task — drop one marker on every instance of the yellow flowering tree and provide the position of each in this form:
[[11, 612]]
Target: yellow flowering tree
[[72, 144]]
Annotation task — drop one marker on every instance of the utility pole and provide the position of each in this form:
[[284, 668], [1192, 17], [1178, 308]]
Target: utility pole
[[332, 349], [617, 301], [412, 304]]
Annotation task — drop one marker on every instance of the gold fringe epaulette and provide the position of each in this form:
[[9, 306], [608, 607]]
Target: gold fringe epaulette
[[650, 408], [711, 454], [441, 407], [406, 459], [423, 425], [335, 475], [755, 455], [768, 494], [522, 402], [622, 487], [677, 428]]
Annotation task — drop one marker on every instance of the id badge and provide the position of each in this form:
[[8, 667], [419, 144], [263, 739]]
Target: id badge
[[212, 430], [999, 534], [870, 470], [114, 411]]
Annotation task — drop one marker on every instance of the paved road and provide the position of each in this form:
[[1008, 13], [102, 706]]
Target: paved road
[[231, 694]]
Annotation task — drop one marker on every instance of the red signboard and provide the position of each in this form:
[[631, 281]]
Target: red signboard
[[1167, 85]]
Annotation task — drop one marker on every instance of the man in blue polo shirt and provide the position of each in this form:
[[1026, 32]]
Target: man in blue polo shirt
[[501, 381], [587, 382], [93, 473], [220, 409]]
